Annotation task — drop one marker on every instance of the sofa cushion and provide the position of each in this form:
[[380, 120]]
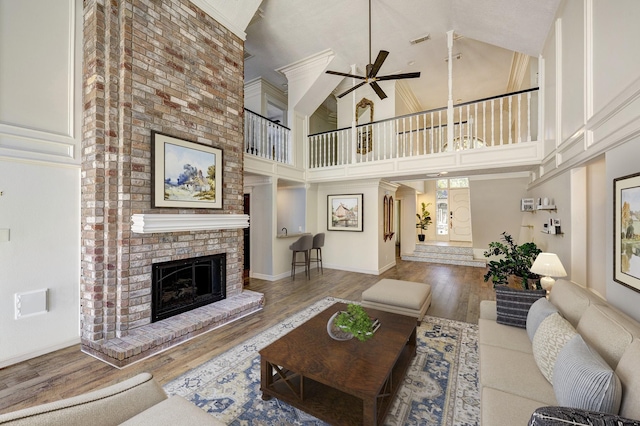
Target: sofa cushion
[[552, 334], [107, 406], [582, 379], [572, 300], [488, 310], [540, 309], [173, 411], [499, 408], [628, 371], [608, 331], [513, 305], [514, 372], [504, 336]]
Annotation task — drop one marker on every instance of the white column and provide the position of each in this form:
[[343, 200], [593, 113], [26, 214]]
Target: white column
[[450, 101]]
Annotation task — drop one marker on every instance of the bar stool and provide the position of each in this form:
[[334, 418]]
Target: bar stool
[[303, 245], [318, 242]]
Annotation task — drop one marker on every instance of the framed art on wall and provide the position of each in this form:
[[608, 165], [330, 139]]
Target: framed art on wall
[[185, 174], [344, 212], [626, 231]]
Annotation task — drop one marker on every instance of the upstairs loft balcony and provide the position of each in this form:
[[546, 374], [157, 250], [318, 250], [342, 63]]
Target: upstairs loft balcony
[[488, 135]]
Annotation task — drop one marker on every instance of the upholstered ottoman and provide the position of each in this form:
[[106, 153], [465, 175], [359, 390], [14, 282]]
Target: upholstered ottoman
[[399, 297]]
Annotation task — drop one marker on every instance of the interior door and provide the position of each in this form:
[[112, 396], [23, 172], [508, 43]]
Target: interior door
[[460, 215]]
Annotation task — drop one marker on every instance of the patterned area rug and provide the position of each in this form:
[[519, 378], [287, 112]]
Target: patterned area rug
[[440, 387]]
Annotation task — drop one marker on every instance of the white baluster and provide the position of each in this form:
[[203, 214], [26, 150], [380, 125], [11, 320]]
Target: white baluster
[[493, 133], [475, 132], [519, 117], [529, 117], [501, 123], [509, 125]]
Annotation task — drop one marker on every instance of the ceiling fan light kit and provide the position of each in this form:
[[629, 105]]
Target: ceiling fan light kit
[[371, 74]]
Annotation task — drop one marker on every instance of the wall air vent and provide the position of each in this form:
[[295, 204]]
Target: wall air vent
[[420, 39]]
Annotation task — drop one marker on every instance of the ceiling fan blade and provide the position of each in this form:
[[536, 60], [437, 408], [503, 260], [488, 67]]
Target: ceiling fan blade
[[398, 76], [372, 71], [352, 89], [378, 90], [345, 74]]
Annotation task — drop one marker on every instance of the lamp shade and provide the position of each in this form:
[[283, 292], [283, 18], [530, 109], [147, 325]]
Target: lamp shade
[[548, 265]]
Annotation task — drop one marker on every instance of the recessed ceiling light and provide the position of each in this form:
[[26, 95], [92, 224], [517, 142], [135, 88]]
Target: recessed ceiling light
[[410, 63]]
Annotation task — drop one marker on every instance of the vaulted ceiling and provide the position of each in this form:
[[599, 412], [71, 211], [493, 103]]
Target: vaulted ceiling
[[487, 34]]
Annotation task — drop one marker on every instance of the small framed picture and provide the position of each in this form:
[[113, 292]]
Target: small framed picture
[[527, 205], [344, 212]]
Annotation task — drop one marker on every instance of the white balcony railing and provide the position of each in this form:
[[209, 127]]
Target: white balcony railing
[[496, 121], [265, 138]]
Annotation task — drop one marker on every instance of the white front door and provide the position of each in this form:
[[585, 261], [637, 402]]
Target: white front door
[[460, 215]]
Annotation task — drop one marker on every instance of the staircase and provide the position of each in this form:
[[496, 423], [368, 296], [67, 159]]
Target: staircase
[[448, 254]]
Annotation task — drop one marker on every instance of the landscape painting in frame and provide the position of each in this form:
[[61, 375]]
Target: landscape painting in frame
[[626, 257], [344, 212], [185, 174]]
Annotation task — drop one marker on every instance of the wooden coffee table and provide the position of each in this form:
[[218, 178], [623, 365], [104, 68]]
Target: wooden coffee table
[[342, 383]]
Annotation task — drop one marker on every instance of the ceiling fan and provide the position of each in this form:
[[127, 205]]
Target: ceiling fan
[[371, 76]]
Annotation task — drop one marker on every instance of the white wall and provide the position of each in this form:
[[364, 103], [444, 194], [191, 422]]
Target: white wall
[[495, 208], [40, 172], [346, 250], [598, 237], [262, 222], [615, 54], [592, 99], [621, 161], [408, 197], [572, 79], [291, 207]]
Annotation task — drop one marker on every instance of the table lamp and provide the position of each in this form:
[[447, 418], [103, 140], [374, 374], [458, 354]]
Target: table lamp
[[548, 265]]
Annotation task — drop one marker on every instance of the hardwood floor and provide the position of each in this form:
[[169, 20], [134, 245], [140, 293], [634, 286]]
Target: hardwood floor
[[456, 291]]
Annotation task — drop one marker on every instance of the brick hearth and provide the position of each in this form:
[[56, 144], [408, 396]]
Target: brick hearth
[[166, 66]]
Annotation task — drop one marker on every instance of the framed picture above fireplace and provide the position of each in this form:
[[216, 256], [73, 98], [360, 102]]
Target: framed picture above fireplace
[[185, 174]]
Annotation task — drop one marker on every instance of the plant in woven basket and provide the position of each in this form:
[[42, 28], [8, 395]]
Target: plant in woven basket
[[514, 260], [356, 321]]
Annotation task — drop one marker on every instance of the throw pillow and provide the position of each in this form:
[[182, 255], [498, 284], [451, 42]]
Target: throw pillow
[[582, 379], [513, 305], [540, 309], [563, 416], [552, 334]]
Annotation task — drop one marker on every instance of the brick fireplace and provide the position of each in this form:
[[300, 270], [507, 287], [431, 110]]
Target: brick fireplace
[[166, 66]]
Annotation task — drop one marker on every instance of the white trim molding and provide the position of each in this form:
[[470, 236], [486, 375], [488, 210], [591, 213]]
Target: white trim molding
[[156, 223]]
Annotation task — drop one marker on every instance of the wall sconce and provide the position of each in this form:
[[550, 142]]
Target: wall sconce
[[548, 265]]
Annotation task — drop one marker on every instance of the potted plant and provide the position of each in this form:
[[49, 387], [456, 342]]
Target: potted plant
[[515, 260], [424, 220], [356, 321]]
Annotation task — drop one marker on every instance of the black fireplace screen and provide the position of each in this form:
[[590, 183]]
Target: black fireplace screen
[[182, 285]]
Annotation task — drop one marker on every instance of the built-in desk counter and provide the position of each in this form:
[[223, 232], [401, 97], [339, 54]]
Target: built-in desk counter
[[295, 235]]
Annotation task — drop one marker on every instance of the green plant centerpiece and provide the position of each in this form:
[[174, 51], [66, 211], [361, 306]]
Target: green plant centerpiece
[[424, 220], [514, 260], [356, 321]]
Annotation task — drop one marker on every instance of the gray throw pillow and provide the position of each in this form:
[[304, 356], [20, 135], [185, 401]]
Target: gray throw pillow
[[540, 309], [582, 379], [513, 305]]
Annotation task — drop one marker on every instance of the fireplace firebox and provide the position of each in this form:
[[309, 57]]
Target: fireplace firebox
[[181, 285]]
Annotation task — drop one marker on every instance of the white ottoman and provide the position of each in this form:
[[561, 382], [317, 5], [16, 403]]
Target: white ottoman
[[399, 297]]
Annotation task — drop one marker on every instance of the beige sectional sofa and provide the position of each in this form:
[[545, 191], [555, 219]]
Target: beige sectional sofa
[[512, 384], [137, 401]]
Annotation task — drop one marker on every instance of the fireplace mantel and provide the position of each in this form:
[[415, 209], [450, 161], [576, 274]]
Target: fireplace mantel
[[150, 223]]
